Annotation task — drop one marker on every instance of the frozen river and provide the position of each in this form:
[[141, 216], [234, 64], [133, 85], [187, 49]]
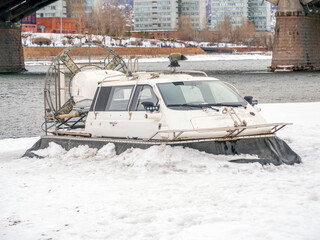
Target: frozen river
[[21, 95]]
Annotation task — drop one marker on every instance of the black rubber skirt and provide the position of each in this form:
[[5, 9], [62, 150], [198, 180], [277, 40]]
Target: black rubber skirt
[[269, 150]]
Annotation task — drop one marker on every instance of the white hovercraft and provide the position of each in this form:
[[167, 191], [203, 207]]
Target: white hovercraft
[[110, 102]]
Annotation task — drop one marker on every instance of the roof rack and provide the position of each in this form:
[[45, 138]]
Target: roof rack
[[192, 71]]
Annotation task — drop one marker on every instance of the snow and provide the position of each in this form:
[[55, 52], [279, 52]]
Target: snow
[[193, 58], [163, 192], [213, 57], [61, 40]]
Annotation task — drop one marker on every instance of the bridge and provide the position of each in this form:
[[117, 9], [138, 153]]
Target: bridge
[[11, 12], [297, 35], [296, 40]]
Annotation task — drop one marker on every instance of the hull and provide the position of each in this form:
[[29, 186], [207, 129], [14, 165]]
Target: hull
[[268, 149]]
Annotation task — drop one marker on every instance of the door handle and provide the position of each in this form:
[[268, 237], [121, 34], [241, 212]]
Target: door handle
[[113, 123]]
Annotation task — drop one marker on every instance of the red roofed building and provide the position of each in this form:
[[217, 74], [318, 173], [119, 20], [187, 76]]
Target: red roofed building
[[29, 24], [52, 25]]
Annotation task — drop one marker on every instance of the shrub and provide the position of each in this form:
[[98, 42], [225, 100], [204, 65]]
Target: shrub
[[25, 35], [70, 36], [42, 41], [97, 41], [79, 36]]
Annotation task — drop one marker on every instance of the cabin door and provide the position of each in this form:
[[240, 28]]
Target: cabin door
[[112, 119], [143, 124]]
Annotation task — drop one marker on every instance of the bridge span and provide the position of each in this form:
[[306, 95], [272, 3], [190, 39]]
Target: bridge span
[[296, 40]]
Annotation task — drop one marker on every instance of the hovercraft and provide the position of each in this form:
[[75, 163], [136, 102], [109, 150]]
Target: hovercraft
[[97, 102]]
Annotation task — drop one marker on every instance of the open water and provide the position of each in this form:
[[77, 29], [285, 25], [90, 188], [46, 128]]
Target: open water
[[21, 95]]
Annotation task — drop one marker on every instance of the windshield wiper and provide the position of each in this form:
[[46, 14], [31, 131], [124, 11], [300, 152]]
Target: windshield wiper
[[227, 104], [203, 105], [207, 105], [185, 105]]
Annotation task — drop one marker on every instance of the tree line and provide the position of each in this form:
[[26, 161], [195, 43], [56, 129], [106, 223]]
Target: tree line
[[106, 18], [225, 32]]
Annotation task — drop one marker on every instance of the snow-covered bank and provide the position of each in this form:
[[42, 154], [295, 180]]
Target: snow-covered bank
[[164, 192], [200, 57]]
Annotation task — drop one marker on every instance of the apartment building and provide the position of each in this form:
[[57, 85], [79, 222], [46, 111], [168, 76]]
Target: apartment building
[[260, 14], [89, 5], [255, 11], [155, 15], [56, 9], [236, 9], [195, 10]]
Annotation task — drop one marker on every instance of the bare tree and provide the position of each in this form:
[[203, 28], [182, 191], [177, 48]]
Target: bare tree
[[224, 30], [264, 39], [117, 25], [107, 18], [76, 9], [206, 35], [97, 23], [185, 30], [244, 33]]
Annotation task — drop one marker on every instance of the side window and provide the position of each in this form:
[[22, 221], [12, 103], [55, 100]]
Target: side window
[[146, 94], [101, 103], [119, 98]]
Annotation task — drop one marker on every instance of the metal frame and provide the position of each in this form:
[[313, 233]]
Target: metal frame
[[52, 88], [231, 132], [152, 142]]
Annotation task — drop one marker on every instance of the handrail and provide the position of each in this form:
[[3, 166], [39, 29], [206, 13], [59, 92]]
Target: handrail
[[230, 130], [192, 71], [233, 87]]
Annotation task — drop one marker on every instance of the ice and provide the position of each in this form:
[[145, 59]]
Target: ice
[[163, 192], [193, 58]]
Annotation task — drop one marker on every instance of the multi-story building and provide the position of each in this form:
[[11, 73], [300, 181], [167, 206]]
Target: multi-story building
[[29, 24], [236, 9], [260, 14], [195, 10], [56, 9], [155, 15], [58, 25], [88, 5], [273, 17], [241, 10]]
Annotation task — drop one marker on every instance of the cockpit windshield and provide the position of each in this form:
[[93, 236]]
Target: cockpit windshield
[[195, 94]]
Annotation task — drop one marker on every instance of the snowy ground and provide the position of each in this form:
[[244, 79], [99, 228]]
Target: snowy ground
[[163, 193]]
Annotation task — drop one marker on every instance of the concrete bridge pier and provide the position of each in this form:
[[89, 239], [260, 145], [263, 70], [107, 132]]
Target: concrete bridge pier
[[297, 38], [11, 51]]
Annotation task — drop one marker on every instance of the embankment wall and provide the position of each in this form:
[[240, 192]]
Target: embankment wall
[[45, 53]]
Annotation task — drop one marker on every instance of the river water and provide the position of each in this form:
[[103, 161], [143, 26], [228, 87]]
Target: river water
[[21, 95]]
